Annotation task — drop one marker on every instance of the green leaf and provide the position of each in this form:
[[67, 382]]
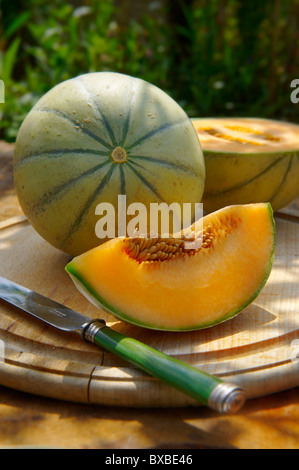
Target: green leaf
[[9, 60], [17, 23]]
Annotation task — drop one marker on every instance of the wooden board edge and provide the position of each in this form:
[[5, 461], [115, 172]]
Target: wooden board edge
[[18, 219], [149, 393]]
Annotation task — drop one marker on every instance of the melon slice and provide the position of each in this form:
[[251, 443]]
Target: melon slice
[[249, 160], [165, 284]]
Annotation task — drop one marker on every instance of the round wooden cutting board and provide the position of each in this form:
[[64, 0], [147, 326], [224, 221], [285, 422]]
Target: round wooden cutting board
[[258, 349]]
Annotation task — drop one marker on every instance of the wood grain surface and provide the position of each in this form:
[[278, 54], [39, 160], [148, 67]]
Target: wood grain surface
[[30, 420]]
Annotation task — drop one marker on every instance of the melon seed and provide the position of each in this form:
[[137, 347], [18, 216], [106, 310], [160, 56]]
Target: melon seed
[[162, 249]]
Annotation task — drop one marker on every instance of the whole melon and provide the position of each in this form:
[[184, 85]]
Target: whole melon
[[97, 136], [249, 160]]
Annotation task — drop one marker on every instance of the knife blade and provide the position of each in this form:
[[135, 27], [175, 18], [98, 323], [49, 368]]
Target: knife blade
[[209, 390]]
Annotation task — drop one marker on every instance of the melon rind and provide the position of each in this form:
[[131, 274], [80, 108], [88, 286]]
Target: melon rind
[[98, 299], [234, 175]]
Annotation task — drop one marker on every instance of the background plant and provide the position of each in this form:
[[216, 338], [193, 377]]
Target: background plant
[[215, 57]]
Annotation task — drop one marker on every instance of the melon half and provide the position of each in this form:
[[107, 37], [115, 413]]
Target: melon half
[[249, 160], [174, 284]]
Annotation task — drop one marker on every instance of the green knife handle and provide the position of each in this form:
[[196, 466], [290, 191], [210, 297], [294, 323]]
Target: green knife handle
[[207, 389]]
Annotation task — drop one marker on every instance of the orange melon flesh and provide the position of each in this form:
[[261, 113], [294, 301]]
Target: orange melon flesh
[[188, 291]]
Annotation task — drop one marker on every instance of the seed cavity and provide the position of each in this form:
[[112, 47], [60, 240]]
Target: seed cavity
[[153, 249], [221, 135], [248, 130], [119, 155], [161, 249]]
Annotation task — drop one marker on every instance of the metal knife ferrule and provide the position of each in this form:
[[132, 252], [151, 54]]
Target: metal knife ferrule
[[91, 329]]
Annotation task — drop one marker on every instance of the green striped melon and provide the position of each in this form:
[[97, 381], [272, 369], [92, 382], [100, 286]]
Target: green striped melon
[[94, 137], [249, 160]]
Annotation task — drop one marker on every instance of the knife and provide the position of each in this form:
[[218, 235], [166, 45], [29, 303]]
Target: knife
[[210, 391]]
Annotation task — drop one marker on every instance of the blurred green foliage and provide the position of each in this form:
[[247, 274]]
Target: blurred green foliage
[[215, 57]]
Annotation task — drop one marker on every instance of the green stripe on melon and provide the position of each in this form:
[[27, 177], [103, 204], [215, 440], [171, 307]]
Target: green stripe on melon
[[249, 160], [67, 158]]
